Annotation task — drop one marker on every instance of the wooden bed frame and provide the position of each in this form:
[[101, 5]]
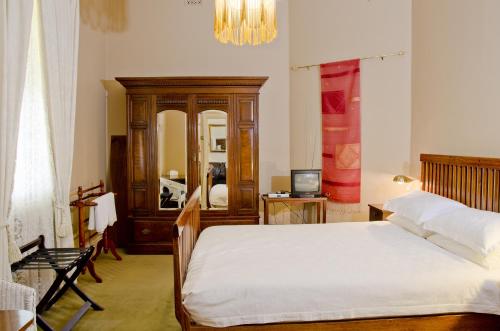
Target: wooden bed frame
[[474, 181]]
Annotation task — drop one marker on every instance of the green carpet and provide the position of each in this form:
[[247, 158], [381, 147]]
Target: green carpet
[[136, 294]]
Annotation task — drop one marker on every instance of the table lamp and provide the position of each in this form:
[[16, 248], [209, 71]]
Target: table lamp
[[402, 179]]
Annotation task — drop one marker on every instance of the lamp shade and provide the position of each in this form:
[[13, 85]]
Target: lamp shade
[[245, 21], [402, 179]]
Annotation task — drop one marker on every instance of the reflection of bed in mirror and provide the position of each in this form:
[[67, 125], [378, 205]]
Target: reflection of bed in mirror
[[217, 191], [172, 192]]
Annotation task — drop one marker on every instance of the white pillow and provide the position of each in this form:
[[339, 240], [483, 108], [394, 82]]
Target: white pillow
[[420, 206], [490, 261], [218, 196], [408, 225], [474, 228]]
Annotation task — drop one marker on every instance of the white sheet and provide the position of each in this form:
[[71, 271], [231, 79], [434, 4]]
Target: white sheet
[[264, 274]]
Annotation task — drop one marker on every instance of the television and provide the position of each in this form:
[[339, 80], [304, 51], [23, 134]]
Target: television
[[306, 183]]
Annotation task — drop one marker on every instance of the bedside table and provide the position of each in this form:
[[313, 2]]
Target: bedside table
[[377, 213]]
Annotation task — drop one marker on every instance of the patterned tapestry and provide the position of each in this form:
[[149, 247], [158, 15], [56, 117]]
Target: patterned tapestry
[[340, 100]]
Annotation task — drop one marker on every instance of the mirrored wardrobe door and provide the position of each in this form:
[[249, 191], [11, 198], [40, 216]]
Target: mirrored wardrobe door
[[171, 133], [212, 164]]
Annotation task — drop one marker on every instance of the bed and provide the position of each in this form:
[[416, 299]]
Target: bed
[[469, 289]]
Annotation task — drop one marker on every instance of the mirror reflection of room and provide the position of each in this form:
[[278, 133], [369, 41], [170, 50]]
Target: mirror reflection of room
[[212, 165], [172, 158]]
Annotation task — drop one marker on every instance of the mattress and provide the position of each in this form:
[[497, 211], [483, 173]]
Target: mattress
[[263, 274]]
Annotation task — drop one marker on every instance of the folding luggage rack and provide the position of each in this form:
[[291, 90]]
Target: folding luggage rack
[[62, 261]]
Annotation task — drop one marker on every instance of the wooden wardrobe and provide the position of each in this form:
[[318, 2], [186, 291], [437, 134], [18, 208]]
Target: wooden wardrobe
[[238, 98]]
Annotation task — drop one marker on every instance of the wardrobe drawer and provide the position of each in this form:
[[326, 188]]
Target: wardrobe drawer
[[145, 231]]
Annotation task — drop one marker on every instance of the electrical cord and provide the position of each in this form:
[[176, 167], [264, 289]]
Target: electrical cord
[[295, 212]]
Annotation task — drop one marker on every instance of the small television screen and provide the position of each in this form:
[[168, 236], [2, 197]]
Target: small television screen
[[306, 182]]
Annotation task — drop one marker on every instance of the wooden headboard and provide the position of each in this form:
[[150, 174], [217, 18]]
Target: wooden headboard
[[474, 181]]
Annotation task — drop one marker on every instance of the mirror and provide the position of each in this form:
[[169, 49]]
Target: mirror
[[172, 158], [212, 159]]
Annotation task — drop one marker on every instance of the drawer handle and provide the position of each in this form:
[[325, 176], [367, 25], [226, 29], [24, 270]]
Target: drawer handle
[[146, 231]]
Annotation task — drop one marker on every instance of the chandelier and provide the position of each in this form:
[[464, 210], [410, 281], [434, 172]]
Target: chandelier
[[245, 21]]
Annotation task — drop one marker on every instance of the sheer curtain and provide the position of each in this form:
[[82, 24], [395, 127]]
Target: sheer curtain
[[60, 32], [15, 23], [32, 210]]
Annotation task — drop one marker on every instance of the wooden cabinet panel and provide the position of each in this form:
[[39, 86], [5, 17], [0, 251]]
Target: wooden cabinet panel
[[139, 156], [246, 109], [139, 152], [246, 150], [139, 106], [213, 101], [247, 200], [152, 231], [140, 199]]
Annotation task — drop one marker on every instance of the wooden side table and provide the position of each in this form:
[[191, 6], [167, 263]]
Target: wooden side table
[[16, 320], [377, 212], [320, 206]]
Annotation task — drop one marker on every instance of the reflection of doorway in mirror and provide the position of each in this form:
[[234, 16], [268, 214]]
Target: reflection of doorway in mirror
[[213, 159], [172, 158]]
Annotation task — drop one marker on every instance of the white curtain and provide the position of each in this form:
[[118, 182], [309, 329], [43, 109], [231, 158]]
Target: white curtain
[[60, 32], [31, 207], [15, 26]]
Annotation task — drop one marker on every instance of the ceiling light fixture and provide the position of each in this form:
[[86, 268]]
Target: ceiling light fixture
[[242, 22]]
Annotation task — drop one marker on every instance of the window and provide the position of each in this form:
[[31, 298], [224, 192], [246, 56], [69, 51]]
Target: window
[[33, 181]]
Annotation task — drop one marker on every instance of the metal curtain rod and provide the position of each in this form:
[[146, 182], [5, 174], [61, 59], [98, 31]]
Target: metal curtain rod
[[383, 56]]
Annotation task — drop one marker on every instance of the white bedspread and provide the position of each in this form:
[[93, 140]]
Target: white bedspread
[[263, 274]]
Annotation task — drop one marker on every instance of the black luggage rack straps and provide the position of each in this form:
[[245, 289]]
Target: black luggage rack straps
[[62, 261]]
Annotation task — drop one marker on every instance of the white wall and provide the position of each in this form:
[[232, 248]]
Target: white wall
[[456, 77], [322, 31], [169, 38], [89, 158]]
